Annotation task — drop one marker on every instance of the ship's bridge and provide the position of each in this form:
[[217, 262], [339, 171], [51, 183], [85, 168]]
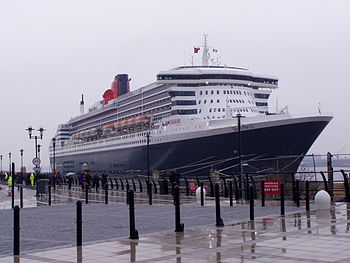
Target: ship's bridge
[[204, 75]]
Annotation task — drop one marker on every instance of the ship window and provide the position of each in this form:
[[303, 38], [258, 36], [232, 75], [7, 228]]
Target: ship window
[[224, 91], [200, 92], [218, 101], [206, 92], [205, 101], [199, 102], [218, 92], [200, 110], [223, 109], [245, 93], [210, 110], [214, 109], [211, 101], [232, 91], [212, 92], [219, 109]]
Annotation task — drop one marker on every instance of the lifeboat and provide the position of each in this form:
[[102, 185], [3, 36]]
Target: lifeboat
[[142, 120]]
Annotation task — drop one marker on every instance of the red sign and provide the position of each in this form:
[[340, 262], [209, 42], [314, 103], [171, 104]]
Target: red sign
[[272, 187], [192, 186]]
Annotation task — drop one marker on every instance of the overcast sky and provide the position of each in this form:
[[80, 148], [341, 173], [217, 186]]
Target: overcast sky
[[53, 51]]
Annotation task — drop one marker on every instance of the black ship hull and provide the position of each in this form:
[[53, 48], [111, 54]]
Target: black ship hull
[[260, 149]]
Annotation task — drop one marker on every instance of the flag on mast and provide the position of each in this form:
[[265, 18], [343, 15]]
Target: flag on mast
[[196, 49]]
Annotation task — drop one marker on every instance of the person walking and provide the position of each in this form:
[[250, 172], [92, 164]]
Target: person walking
[[32, 179]]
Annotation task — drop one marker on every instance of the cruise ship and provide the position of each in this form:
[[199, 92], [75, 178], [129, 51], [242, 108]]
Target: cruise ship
[[192, 120]]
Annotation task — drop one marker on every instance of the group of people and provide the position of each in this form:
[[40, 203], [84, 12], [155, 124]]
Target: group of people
[[88, 181], [19, 178]]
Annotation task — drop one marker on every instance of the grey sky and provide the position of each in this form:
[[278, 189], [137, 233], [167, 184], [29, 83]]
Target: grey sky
[[53, 51]]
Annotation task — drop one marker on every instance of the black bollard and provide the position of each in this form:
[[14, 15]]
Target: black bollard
[[297, 193], [219, 221], [155, 186], [307, 195], [110, 180], [202, 194], [211, 187], [127, 191], [116, 184], [49, 188], [187, 188], [231, 193], [70, 183], [106, 194], [262, 193], [134, 185], [13, 185], [79, 224], [140, 185], [251, 201], [21, 196], [86, 195], [133, 232], [121, 184], [16, 228], [324, 182], [179, 227], [225, 188], [282, 199], [96, 186], [346, 186], [149, 189], [236, 188]]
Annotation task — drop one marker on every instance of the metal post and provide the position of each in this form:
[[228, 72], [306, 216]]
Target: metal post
[[225, 188], [110, 180], [330, 175], [179, 227], [133, 184], [346, 186], [297, 193], [149, 188], [262, 193], [148, 171], [133, 232], [79, 224], [211, 187], [122, 184], [219, 221], [251, 201], [187, 188], [231, 193], [140, 185], [13, 185], [127, 191], [202, 195], [21, 196], [307, 195], [106, 194], [16, 229], [49, 194], [86, 195], [282, 199]]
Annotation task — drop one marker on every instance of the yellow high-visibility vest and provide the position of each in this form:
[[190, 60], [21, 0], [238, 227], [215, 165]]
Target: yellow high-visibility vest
[[6, 176], [9, 181]]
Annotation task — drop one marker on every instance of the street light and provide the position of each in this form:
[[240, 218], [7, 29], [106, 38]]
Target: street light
[[37, 147], [239, 116], [1, 163], [148, 172], [21, 151], [54, 155], [9, 162]]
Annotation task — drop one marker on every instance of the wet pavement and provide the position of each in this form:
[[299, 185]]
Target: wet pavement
[[300, 236]]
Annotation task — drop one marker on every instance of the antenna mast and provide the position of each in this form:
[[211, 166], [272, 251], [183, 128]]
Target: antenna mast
[[206, 56]]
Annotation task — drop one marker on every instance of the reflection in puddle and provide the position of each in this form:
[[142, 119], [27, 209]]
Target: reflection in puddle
[[218, 244], [133, 245], [179, 236], [79, 254]]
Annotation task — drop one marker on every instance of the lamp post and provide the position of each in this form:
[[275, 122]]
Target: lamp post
[[54, 155], [148, 172], [54, 162], [39, 146], [21, 151], [1, 163], [239, 116], [9, 162], [37, 149]]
